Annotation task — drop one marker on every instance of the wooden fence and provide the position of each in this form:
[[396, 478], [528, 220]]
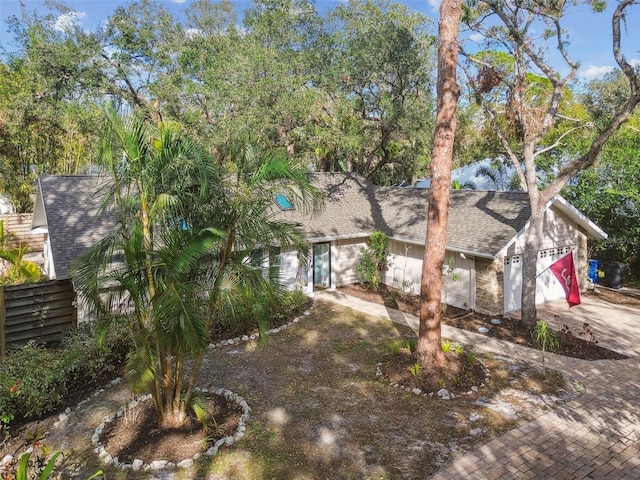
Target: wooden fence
[[17, 230], [36, 311]]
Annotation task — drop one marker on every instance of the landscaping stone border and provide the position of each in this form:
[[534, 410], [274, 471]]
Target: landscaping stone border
[[156, 465]]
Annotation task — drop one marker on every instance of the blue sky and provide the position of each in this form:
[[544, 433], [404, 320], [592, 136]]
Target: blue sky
[[590, 33]]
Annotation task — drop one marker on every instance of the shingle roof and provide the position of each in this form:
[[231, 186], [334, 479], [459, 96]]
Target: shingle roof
[[74, 217], [479, 222]]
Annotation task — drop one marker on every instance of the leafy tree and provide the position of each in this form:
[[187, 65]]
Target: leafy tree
[[47, 116], [429, 333], [375, 80], [609, 193], [149, 167], [521, 81], [19, 270], [174, 258]]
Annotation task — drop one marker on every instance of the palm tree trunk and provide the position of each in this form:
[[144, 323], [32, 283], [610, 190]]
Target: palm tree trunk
[[193, 377], [177, 397]]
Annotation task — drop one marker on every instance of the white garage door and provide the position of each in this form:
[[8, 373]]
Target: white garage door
[[547, 286]]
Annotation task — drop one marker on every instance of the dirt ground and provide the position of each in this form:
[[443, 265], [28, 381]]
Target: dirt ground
[[319, 410], [573, 343]]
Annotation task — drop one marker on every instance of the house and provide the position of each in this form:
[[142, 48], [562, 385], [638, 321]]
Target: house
[[68, 210], [485, 237]]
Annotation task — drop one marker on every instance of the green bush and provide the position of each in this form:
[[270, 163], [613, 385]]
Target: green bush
[[372, 260], [35, 379], [32, 381], [253, 309]]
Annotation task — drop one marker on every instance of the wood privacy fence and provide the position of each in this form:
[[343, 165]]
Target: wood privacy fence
[[35, 311], [17, 230]]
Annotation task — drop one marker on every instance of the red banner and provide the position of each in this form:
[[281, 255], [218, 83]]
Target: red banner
[[565, 271]]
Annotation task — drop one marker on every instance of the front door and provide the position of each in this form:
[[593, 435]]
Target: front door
[[321, 265]]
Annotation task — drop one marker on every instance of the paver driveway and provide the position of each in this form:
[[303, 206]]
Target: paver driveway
[[594, 436]]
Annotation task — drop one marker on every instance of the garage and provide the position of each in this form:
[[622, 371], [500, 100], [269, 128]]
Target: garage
[[547, 286]]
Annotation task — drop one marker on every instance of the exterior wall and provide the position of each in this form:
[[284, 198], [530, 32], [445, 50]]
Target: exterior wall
[[344, 255], [458, 281], [405, 273], [17, 231], [48, 266], [289, 263], [405, 266], [560, 231], [489, 286], [581, 257]]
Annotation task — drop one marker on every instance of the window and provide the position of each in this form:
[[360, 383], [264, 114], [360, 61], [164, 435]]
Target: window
[[283, 202]]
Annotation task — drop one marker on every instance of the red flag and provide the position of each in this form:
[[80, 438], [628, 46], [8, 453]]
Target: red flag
[[565, 272]]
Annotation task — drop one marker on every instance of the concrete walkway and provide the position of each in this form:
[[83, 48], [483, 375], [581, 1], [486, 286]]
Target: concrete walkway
[[592, 437]]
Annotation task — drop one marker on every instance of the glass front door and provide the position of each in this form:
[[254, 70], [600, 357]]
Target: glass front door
[[321, 265]]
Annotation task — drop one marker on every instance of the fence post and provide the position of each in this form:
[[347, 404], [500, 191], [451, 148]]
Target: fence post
[[3, 327]]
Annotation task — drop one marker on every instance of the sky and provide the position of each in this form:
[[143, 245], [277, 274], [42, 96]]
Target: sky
[[590, 33]]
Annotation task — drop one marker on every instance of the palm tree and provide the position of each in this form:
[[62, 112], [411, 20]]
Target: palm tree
[[177, 255], [19, 270]]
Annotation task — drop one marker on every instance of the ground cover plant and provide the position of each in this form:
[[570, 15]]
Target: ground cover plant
[[320, 411]]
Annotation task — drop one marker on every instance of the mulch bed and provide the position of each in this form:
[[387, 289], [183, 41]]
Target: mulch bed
[[509, 329], [138, 434], [462, 372]]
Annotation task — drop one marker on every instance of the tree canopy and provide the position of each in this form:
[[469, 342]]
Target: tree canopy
[[346, 90]]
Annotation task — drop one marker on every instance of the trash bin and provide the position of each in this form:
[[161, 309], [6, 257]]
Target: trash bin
[[613, 274], [592, 274]]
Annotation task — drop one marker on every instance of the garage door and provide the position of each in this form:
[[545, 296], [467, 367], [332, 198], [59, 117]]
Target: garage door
[[547, 286]]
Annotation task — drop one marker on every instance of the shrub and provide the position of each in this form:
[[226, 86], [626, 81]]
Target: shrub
[[251, 309], [372, 260], [35, 379]]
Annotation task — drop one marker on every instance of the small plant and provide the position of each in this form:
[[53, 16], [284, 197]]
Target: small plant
[[446, 346], [471, 358], [589, 334], [459, 349], [546, 339], [411, 344], [394, 347], [5, 419], [441, 383], [565, 331], [35, 467], [415, 369]]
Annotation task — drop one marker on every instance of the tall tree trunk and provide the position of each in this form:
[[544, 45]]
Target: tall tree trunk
[[535, 235], [429, 336]]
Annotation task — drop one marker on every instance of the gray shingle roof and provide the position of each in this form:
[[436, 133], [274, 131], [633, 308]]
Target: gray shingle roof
[[74, 217], [479, 222]]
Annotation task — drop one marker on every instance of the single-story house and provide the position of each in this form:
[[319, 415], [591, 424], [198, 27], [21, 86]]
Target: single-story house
[[485, 237]]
